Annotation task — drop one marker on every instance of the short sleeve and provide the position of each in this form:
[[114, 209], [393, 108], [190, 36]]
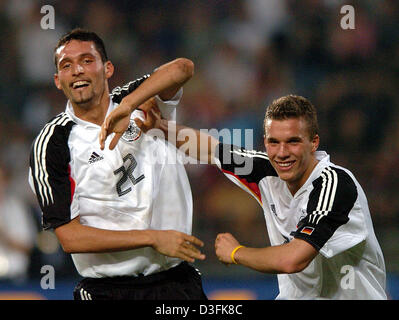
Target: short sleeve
[[168, 108], [330, 202], [50, 176], [246, 168]]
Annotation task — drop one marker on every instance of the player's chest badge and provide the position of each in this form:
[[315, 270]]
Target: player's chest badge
[[132, 133]]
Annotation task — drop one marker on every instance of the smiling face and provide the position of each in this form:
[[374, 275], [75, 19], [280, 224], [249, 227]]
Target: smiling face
[[291, 150], [82, 75]]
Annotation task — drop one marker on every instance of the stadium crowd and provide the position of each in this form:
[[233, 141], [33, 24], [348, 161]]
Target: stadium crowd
[[246, 53]]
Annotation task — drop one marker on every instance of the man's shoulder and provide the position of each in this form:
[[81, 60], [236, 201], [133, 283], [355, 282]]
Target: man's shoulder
[[118, 93], [342, 173], [61, 119], [336, 181], [57, 127]]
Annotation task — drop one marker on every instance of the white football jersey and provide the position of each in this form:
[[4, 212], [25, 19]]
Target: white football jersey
[[329, 211], [134, 186]]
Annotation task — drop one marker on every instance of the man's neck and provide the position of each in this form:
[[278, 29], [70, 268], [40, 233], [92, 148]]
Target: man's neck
[[93, 112]]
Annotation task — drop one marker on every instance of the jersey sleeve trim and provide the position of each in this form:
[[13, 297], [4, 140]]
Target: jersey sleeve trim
[[51, 173], [251, 188], [246, 168], [168, 107], [330, 202], [118, 93]]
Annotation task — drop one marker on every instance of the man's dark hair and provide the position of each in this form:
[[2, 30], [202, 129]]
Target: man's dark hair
[[292, 106], [82, 35]]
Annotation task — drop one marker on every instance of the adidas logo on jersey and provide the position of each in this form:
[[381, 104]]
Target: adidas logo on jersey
[[95, 157]]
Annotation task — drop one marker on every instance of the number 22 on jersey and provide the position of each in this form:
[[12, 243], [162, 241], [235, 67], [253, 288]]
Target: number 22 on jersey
[[127, 174]]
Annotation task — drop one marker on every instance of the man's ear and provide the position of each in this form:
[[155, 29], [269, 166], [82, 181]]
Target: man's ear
[[109, 69], [315, 142], [57, 81]]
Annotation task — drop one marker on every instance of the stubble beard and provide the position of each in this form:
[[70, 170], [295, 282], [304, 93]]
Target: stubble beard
[[86, 101], [79, 99]]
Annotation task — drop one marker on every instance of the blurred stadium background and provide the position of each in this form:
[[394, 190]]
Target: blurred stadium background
[[246, 53]]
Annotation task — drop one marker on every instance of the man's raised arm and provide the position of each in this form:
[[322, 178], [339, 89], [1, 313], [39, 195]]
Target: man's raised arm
[[164, 82], [194, 143]]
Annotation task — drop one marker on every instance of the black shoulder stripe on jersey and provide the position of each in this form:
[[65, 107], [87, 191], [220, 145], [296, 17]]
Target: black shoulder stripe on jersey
[[38, 164], [332, 198], [49, 160], [119, 93], [250, 165]]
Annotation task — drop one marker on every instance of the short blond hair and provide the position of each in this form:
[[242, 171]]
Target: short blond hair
[[293, 106]]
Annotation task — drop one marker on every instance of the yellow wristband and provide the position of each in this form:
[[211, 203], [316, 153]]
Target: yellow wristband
[[233, 252]]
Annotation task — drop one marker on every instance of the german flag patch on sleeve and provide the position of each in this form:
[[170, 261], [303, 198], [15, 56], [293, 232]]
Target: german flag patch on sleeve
[[307, 230]]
